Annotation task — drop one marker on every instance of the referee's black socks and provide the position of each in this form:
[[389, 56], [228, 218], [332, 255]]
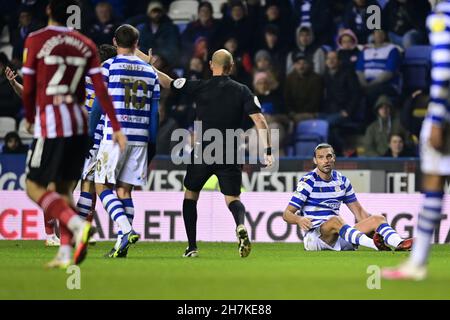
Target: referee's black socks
[[190, 221], [238, 210]]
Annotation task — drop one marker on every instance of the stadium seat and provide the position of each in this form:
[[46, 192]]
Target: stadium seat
[[416, 68], [185, 10], [217, 6], [182, 25], [7, 124], [308, 134]]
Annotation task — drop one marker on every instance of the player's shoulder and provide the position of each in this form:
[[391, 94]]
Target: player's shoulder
[[308, 178], [337, 175], [76, 34], [37, 34]]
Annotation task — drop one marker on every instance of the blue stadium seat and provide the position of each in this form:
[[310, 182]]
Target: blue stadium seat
[[416, 68], [308, 134]]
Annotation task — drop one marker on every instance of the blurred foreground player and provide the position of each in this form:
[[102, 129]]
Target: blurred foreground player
[[56, 60], [50, 224], [434, 148], [221, 106], [317, 199]]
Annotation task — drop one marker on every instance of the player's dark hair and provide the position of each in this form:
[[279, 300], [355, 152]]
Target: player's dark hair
[[58, 10], [126, 36], [323, 146], [106, 51]]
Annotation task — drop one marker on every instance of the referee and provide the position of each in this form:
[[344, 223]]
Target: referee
[[221, 105]]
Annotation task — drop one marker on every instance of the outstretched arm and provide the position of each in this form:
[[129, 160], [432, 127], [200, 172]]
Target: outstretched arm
[[164, 79], [11, 76]]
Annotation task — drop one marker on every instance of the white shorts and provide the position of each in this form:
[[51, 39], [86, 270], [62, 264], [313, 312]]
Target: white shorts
[[128, 167], [313, 242], [432, 161], [89, 165]]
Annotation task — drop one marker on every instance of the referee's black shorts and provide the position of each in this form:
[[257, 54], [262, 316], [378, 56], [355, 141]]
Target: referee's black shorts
[[56, 159], [229, 175]]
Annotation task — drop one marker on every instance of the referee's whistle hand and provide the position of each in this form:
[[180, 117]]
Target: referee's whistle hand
[[120, 139]]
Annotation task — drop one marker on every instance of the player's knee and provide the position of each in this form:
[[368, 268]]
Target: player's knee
[[378, 219], [335, 223]]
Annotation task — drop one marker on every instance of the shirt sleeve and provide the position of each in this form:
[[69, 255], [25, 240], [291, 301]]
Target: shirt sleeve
[[105, 70], [156, 94], [301, 194], [251, 102], [182, 85], [350, 195], [94, 117]]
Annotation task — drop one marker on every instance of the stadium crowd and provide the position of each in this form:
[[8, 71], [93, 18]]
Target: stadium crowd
[[304, 59]]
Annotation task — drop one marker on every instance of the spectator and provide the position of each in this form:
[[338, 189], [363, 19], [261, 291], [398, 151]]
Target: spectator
[[348, 49], [272, 44], [271, 106], [273, 16], [10, 103], [312, 52], [160, 34], [405, 21], [13, 144], [18, 36], [342, 99], [378, 69], [355, 18], [397, 147], [303, 90], [317, 15], [102, 30], [197, 69], [242, 61], [414, 110], [236, 25], [377, 134], [264, 63], [204, 27]]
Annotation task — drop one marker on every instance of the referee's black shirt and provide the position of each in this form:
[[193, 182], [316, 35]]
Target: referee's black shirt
[[221, 102]]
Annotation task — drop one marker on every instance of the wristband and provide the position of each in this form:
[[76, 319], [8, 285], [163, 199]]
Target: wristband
[[269, 151]]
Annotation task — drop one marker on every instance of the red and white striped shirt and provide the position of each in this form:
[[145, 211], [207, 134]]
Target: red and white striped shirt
[[56, 61]]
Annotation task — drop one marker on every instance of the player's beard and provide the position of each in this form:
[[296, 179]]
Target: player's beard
[[326, 170]]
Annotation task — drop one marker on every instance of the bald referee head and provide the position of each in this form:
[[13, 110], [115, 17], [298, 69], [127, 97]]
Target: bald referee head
[[221, 63]]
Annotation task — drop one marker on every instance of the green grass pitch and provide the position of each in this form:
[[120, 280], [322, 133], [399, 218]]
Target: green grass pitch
[[273, 271]]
